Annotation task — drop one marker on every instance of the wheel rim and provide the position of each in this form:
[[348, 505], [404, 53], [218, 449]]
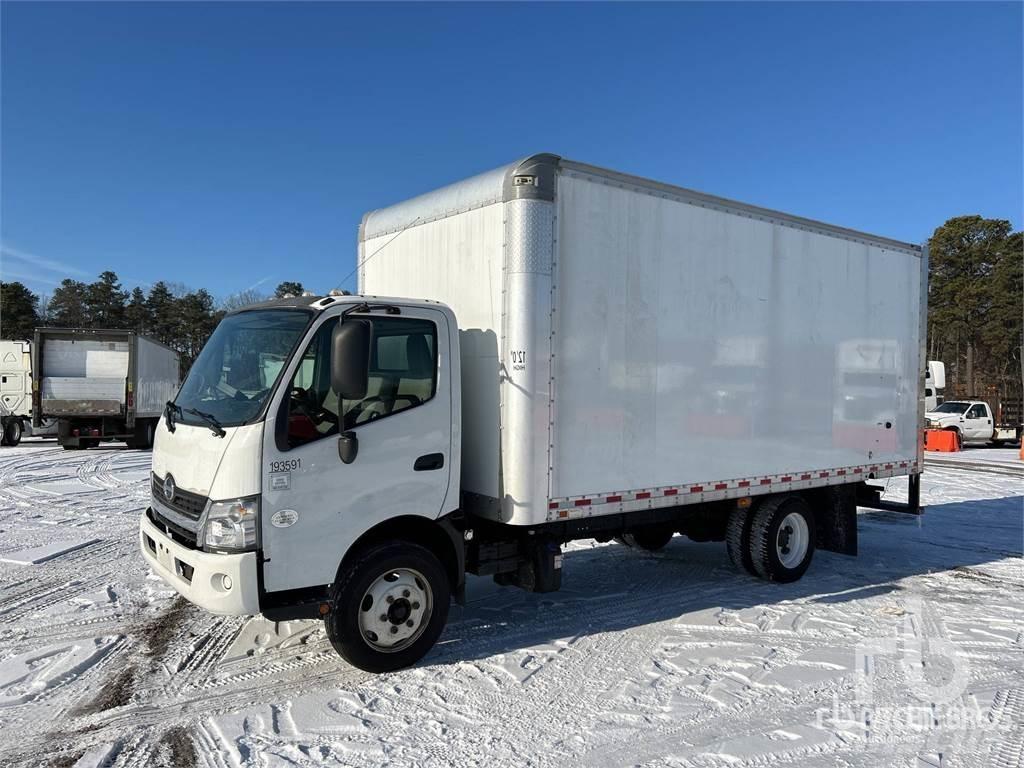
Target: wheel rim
[[395, 610], [792, 540]]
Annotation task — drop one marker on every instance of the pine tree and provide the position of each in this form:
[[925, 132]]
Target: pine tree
[[161, 307], [105, 300], [287, 289], [19, 313], [68, 307], [136, 314]]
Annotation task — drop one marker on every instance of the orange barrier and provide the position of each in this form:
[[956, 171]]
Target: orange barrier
[[940, 440]]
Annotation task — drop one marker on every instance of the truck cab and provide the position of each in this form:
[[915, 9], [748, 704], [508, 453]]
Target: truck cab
[[970, 419], [15, 390], [268, 485]]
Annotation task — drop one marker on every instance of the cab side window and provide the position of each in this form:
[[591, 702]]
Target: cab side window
[[312, 404], [976, 412], [403, 369], [402, 375]]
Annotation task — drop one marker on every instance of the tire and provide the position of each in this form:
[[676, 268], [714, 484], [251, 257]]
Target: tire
[[12, 432], [143, 435], [775, 554], [649, 537], [69, 447], [737, 539], [352, 625]]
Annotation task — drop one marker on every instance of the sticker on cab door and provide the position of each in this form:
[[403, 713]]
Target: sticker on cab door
[[284, 518], [280, 481]]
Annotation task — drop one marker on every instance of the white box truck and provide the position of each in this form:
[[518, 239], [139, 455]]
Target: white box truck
[[546, 352], [101, 385]]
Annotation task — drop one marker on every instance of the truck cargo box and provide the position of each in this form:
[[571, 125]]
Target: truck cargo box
[[627, 344], [102, 373]]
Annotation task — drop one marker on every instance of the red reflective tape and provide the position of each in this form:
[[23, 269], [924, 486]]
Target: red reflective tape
[[720, 486], [858, 470], [613, 499], [671, 491], [643, 495], [552, 505], [903, 463], [823, 474], [874, 469], [840, 471], [696, 488], [743, 484], [805, 477], [766, 481], [787, 478], [888, 466], [582, 502]]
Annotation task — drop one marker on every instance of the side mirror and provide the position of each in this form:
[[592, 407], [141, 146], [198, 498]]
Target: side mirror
[[350, 358]]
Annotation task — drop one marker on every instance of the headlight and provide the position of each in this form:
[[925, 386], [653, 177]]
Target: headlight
[[232, 524]]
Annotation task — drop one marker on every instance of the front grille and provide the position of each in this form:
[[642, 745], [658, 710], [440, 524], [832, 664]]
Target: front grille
[[191, 505], [176, 532]]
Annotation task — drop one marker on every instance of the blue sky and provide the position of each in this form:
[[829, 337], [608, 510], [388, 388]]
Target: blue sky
[[234, 145]]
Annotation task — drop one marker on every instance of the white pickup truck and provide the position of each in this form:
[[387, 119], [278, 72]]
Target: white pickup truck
[[973, 422]]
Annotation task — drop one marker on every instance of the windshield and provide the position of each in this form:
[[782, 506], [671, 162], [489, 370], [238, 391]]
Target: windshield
[[235, 373], [952, 408]]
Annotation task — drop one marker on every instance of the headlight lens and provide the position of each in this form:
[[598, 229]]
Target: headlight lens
[[232, 524]]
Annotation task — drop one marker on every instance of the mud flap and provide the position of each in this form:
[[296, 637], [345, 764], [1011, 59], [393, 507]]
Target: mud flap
[[835, 518]]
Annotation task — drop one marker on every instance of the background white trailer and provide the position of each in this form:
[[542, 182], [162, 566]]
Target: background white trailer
[[102, 384], [644, 345]]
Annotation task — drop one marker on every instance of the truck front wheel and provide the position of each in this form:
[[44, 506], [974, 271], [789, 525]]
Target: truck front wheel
[[389, 607], [782, 538], [12, 432]]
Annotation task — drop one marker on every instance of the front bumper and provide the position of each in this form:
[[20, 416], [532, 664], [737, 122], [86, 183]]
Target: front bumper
[[200, 576]]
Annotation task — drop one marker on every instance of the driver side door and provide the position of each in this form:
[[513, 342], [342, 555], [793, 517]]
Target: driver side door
[[977, 423], [314, 505]]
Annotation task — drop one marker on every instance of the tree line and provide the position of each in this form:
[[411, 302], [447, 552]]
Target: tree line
[[175, 315], [975, 308]]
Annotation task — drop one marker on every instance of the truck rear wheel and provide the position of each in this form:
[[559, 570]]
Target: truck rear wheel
[[737, 539], [142, 435], [389, 607], [782, 538]]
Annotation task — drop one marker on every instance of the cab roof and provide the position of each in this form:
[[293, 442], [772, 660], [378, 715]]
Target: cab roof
[[320, 303]]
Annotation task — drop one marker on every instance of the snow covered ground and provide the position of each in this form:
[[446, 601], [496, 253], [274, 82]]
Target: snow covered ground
[[911, 654]]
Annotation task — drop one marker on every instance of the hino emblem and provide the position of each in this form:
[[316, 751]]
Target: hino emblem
[[169, 487]]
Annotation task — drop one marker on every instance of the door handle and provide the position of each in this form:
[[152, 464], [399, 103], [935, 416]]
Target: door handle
[[429, 461]]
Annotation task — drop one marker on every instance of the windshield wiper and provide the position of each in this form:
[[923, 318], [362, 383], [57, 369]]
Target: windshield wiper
[[169, 412], [210, 420]]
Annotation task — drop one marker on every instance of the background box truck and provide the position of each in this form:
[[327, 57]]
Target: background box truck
[[101, 384], [570, 340]]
